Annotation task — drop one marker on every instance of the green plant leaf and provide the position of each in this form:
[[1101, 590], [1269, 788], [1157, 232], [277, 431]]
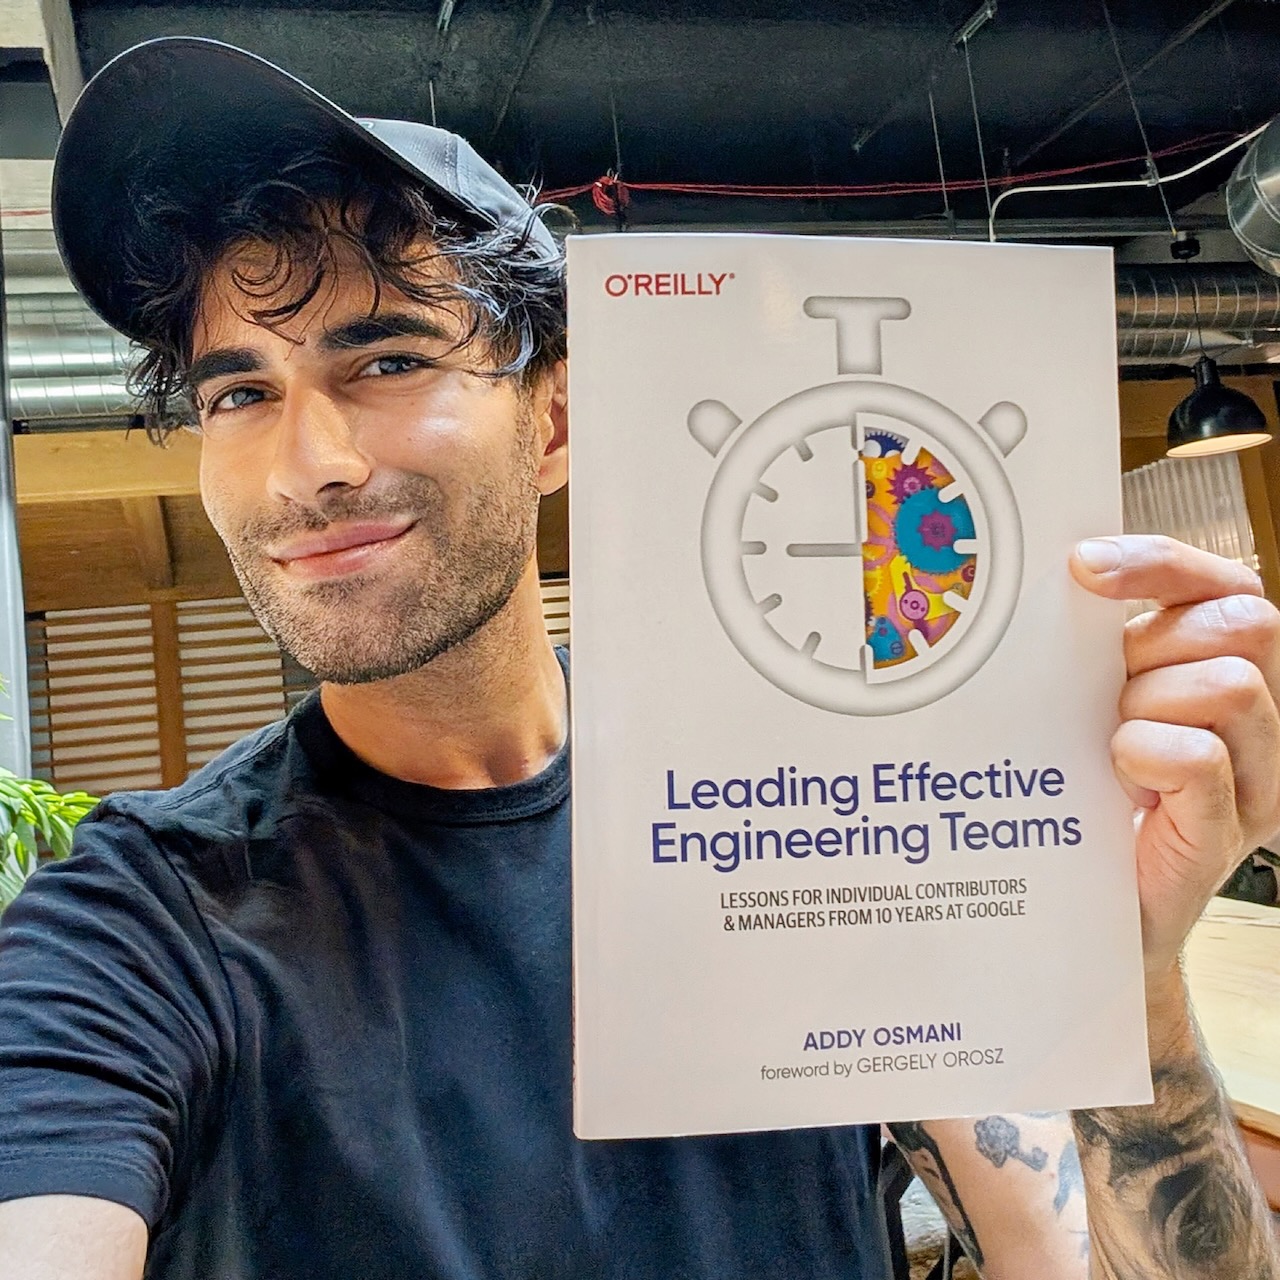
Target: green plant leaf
[[35, 822], [60, 835]]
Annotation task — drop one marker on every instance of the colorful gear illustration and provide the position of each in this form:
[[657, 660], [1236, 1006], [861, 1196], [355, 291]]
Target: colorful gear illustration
[[910, 479], [882, 443], [927, 541]]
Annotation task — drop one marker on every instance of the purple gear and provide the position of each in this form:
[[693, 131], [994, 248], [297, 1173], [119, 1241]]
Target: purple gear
[[936, 529], [909, 479]]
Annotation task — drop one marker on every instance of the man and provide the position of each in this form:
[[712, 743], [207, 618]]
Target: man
[[309, 1014]]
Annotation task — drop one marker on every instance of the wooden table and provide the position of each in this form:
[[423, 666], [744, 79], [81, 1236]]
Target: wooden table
[[1233, 967]]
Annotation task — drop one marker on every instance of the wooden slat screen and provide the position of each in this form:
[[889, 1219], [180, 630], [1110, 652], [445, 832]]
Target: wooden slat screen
[[93, 699], [232, 681], [555, 608]]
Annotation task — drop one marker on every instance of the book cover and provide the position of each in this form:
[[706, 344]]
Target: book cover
[[847, 846]]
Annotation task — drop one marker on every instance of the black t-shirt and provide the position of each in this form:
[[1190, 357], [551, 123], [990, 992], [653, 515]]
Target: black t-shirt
[[311, 1021]]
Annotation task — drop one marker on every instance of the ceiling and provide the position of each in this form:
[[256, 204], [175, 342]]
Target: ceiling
[[560, 92]]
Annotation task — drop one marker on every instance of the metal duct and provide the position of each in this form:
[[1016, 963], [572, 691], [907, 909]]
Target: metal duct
[[36, 400], [1167, 346], [63, 362], [55, 334], [1234, 298], [1253, 199]]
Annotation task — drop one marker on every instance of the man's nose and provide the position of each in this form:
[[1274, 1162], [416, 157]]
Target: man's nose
[[316, 447]]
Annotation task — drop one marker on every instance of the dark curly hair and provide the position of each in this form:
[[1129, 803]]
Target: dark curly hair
[[501, 281]]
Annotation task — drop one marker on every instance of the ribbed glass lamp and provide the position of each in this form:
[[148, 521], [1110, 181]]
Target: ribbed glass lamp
[[1214, 418]]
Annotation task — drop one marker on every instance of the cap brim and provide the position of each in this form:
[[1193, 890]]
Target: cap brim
[[162, 125]]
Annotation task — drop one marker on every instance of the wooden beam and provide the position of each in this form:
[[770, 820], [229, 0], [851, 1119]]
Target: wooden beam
[[170, 718], [84, 466], [145, 518], [1262, 518], [1268, 464]]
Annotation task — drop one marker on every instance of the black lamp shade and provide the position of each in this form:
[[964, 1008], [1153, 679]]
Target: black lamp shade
[[1214, 418]]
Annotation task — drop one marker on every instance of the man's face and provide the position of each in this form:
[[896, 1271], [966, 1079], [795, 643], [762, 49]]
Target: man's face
[[378, 500]]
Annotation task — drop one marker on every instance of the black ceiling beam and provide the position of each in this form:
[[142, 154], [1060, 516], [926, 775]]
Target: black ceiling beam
[[1174, 41], [979, 19], [535, 34]]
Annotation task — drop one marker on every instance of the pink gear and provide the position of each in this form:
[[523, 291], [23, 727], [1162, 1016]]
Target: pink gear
[[914, 604]]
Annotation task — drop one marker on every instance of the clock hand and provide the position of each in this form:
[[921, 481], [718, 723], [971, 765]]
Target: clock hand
[[802, 549]]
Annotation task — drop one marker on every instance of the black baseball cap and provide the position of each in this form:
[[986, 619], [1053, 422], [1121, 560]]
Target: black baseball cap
[[164, 122]]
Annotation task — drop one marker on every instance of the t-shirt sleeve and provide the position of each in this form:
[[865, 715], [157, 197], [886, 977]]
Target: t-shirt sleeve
[[116, 1024]]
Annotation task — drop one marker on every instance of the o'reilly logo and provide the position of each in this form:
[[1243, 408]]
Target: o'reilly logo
[[666, 284]]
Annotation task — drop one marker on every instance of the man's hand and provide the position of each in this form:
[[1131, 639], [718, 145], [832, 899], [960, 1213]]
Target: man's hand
[[1198, 749]]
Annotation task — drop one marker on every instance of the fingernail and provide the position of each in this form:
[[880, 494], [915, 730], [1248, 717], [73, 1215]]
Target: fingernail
[[1099, 555]]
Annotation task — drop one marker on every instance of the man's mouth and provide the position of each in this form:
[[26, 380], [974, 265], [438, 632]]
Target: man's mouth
[[340, 550]]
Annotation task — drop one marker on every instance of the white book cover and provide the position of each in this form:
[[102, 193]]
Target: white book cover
[[847, 846]]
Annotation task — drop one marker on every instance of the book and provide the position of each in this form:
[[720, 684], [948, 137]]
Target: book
[[847, 845]]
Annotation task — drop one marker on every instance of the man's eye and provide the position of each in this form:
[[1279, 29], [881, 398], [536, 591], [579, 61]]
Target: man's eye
[[386, 366], [236, 398]]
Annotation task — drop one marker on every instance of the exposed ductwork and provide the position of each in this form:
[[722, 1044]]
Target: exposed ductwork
[[1253, 199], [1165, 313], [67, 368], [1172, 346], [64, 364], [1230, 297]]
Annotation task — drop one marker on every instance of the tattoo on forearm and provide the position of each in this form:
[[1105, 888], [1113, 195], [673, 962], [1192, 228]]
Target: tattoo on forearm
[[1000, 1140], [1070, 1177], [915, 1140], [1176, 1191]]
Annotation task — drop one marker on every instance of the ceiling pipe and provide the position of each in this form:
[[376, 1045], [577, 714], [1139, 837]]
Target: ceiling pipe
[[1231, 297], [54, 335], [42, 402], [1253, 199], [64, 363], [1171, 346]]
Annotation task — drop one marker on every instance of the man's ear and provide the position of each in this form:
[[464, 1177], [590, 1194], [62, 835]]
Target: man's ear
[[553, 429]]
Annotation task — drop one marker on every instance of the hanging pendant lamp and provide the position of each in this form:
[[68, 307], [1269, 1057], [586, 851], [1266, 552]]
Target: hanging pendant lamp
[[1214, 418]]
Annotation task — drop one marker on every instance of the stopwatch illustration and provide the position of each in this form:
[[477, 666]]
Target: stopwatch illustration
[[861, 543]]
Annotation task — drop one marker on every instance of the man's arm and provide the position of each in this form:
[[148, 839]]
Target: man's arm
[[1011, 1189], [71, 1238], [1198, 751], [1170, 1192], [116, 1028]]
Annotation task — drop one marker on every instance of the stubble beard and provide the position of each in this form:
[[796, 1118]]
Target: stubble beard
[[457, 574]]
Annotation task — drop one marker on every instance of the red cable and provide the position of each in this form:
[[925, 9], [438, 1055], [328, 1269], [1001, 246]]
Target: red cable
[[609, 192]]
